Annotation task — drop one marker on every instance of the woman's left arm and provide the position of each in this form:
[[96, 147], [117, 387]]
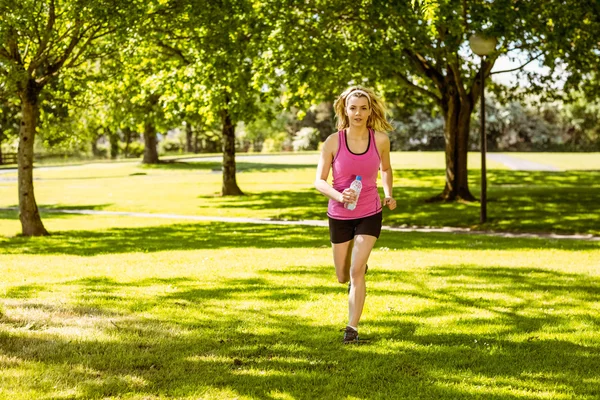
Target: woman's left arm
[[387, 176]]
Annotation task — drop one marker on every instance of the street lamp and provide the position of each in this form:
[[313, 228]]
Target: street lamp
[[483, 46]]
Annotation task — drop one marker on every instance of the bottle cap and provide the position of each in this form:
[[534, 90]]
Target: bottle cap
[[358, 178]]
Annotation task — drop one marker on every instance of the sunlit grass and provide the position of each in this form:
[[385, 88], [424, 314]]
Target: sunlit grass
[[280, 187], [564, 161], [149, 308], [253, 312]]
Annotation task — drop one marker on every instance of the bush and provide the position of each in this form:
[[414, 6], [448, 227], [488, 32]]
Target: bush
[[306, 139], [279, 142], [136, 149], [171, 145]]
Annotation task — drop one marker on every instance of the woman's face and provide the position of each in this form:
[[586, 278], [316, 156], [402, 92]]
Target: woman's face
[[358, 111]]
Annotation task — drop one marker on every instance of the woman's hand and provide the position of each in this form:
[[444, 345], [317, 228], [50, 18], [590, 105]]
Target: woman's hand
[[390, 202], [348, 196]]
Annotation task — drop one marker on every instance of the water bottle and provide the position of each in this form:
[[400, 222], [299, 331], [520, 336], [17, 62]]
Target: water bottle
[[356, 185]]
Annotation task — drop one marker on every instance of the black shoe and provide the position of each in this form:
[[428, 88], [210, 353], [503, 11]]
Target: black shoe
[[350, 335], [350, 283]]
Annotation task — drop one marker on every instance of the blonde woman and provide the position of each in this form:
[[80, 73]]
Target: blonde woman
[[360, 147]]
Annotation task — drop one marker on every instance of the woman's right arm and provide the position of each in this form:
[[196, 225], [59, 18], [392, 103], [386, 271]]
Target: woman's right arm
[[323, 168]]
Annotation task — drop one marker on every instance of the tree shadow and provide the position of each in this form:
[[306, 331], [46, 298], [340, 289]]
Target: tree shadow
[[518, 201], [220, 235], [52, 211], [241, 166], [205, 340], [289, 205], [523, 201]]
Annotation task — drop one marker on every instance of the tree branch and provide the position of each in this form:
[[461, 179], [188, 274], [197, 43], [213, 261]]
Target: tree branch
[[464, 15], [487, 65], [4, 53], [418, 88], [13, 48], [520, 67], [95, 35], [55, 66], [425, 68], [455, 71], [46, 37], [174, 51]]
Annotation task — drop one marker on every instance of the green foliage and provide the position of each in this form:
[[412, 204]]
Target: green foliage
[[172, 145], [135, 149], [306, 139], [219, 46], [276, 143], [556, 126], [9, 119]]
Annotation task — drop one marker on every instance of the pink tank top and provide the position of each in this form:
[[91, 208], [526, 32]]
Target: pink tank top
[[346, 165]]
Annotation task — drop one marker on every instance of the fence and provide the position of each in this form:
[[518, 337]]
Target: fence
[[8, 158]]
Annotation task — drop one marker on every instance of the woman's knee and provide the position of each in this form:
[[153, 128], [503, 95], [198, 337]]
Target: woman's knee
[[358, 273], [343, 278], [342, 275]]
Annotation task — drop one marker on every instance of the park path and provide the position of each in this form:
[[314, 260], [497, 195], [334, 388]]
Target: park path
[[518, 164], [322, 223]]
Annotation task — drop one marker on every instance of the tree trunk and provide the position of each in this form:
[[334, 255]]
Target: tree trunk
[[196, 142], [150, 150], [457, 117], [31, 222], [189, 136], [113, 138], [95, 146], [230, 187], [127, 134]]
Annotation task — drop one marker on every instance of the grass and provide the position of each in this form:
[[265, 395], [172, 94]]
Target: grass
[[280, 187], [566, 161], [144, 308], [252, 312]]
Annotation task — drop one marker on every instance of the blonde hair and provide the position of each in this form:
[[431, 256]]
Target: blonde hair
[[376, 120]]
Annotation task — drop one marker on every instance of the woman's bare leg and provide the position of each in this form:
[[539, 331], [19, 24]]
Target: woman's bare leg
[[342, 254], [363, 244]]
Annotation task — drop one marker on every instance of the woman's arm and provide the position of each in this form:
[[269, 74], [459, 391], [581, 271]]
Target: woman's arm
[[387, 175], [327, 153]]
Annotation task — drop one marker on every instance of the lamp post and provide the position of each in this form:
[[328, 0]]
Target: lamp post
[[483, 46]]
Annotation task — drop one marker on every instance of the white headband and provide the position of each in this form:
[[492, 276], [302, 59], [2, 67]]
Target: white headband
[[358, 91]]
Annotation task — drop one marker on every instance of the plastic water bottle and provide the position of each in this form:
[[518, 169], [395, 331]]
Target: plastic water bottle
[[356, 185]]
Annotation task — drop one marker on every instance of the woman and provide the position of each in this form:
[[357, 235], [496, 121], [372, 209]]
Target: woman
[[358, 148]]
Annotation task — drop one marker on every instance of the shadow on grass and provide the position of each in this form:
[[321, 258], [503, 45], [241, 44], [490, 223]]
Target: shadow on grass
[[518, 201], [219, 235], [241, 166], [213, 340], [290, 205], [53, 211]]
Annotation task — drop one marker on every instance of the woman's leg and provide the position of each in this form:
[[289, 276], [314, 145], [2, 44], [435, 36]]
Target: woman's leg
[[363, 244], [342, 254]]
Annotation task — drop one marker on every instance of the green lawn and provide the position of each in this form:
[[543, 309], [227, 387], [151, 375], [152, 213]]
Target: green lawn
[[280, 187], [143, 308], [566, 161], [253, 312]]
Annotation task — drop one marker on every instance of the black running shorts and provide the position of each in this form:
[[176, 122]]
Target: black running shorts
[[344, 230]]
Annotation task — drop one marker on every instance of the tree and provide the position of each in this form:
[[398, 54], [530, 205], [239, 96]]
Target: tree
[[425, 50], [40, 39], [221, 44], [9, 119]]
